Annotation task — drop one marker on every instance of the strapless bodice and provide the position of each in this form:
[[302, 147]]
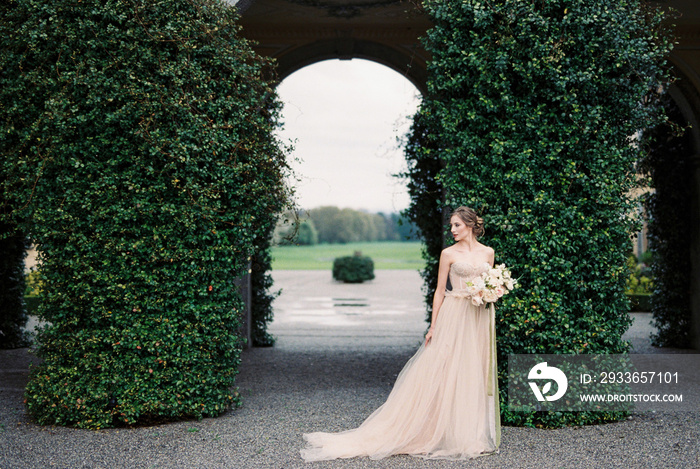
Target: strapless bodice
[[463, 272], [467, 271]]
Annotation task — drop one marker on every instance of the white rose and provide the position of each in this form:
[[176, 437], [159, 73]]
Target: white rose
[[490, 296], [478, 283]]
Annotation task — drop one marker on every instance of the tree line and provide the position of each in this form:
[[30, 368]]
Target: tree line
[[331, 225]]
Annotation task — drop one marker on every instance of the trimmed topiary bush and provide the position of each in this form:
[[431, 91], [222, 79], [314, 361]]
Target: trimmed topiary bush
[[353, 269], [32, 292], [534, 106], [639, 287], [638, 281], [137, 145]]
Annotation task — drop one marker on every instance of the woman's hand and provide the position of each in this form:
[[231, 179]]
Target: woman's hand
[[428, 336]]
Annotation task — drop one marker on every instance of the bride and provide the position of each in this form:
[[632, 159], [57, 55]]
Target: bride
[[444, 403]]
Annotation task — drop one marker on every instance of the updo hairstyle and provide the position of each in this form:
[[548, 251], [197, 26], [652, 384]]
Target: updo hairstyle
[[471, 219]]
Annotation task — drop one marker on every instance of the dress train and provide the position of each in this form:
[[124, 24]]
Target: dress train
[[444, 403]]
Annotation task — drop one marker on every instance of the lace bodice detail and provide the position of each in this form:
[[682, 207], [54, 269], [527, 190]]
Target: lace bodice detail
[[463, 272]]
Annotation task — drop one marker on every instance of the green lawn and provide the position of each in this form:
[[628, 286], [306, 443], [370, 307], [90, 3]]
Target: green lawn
[[386, 255]]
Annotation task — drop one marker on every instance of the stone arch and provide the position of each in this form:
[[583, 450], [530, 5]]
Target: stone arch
[[298, 33], [686, 95], [352, 49]]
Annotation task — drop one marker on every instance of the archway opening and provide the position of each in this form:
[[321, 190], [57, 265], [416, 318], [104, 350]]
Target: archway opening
[[346, 120]]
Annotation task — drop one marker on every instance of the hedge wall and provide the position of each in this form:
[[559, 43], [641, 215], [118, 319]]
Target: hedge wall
[[669, 211], [535, 105], [137, 143]]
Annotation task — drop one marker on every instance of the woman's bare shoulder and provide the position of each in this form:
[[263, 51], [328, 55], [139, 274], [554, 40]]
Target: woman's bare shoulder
[[449, 251], [488, 249], [489, 253], [448, 254]]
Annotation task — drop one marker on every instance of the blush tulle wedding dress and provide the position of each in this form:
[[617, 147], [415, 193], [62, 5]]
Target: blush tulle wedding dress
[[444, 404]]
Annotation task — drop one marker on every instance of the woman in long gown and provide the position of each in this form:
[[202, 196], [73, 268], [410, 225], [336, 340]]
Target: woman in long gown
[[444, 403]]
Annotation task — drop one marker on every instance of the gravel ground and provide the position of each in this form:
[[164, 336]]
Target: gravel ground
[[339, 350]]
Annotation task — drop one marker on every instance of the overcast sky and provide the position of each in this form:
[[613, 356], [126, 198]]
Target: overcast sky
[[344, 118]]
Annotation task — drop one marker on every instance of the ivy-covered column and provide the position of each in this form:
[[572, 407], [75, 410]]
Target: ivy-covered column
[[671, 209], [537, 106], [137, 137]]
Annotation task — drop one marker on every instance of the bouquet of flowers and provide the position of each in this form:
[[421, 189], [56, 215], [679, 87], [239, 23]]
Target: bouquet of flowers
[[491, 285]]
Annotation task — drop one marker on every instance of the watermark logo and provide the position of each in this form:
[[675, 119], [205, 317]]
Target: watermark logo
[[550, 373], [603, 382]]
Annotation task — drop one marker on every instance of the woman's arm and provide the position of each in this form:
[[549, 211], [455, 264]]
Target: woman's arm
[[439, 296]]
